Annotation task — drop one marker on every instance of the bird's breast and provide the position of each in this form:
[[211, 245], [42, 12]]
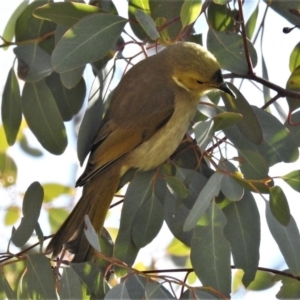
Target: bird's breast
[[161, 145]]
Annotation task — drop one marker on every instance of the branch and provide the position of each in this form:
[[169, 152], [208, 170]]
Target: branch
[[281, 91], [247, 54], [26, 42]]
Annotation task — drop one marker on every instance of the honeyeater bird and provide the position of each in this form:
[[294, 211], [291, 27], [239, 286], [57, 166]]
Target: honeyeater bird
[[148, 115]]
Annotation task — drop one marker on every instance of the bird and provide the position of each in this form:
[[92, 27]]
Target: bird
[[149, 113]]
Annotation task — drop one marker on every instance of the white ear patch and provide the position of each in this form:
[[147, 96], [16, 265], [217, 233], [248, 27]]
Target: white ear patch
[[178, 82]]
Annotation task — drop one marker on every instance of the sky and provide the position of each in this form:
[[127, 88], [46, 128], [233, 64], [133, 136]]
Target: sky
[[63, 169]]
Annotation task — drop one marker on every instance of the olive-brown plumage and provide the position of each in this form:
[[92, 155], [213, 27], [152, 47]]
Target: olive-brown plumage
[[148, 115]]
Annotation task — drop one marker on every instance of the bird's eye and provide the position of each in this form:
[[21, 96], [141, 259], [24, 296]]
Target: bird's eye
[[200, 82]]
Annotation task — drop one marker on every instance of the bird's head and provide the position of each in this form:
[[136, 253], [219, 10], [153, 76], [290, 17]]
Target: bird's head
[[195, 69]]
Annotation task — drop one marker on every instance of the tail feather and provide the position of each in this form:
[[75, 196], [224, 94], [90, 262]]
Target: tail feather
[[97, 195]]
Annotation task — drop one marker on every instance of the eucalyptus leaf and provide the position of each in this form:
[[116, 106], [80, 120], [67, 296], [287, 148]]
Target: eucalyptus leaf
[[119, 291], [92, 277], [147, 222], [277, 145], [139, 191], [220, 17], [293, 180], [287, 239], [11, 112], [190, 10], [45, 121], [279, 205], [65, 13], [40, 278], [229, 50], [34, 63], [84, 42], [242, 230], [253, 165], [210, 190], [295, 58], [249, 125], [210, 251], [68, 100], [32, 204], [293, 84], [70, 285], [147, 24]]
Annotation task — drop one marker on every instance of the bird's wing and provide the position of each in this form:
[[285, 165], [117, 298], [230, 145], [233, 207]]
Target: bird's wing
[[122, 133]]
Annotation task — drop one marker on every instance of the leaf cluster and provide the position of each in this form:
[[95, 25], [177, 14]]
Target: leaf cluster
[[204, 193]]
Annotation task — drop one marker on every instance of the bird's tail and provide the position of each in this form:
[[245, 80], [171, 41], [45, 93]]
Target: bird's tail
[[97, 195]]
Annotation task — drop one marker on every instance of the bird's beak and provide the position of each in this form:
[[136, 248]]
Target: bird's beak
[[224, 88]]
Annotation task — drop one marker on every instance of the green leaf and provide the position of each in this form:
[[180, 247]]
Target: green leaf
[[135, 286], [70, 285], [9, 30], [252, 164], [287, 239], [177, 248], [293, 84], [226, 119], [177, 186], [199, 293], [4, 286], [251, 23], [293, 180], [285, 9], [147, 24], [133, 6], [155, 290], [294, 127], [190, 10], [210, 190], [45, 120], [249, 126], [89, 128], [262, 281], [11, 107], [229, 50], [34, 63], [40, 278], [139, 190], [279, 205], [242, 230], [56, 217], [68, 100], [91, 234], [12, 215], [72, 78], [119, 291], [277, 145], [290, 288], [54, 190], [210, 251], [266, 90], [92, 276], [220, 17], [27, 148], [147, 221], [177, 209], [28, 27], [32, 204], [163, 9], [8, 170], [231, 189], [295, 58], [84, 42], [203, 133], [65, 13]]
